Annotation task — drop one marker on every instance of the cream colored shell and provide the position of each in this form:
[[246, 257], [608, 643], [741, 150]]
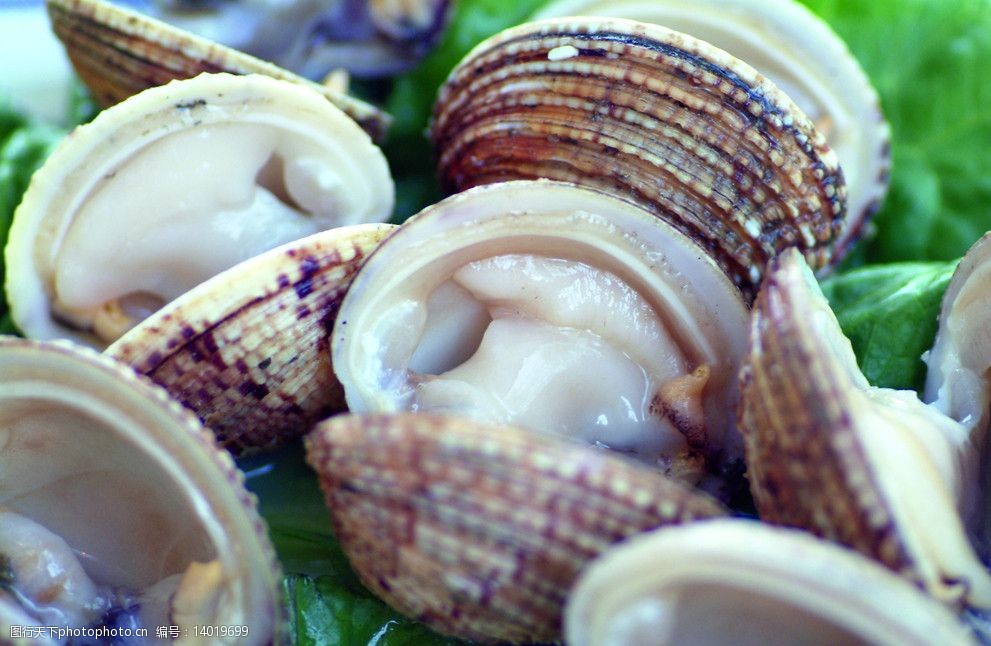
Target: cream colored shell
[[174, 185], [130, 479]]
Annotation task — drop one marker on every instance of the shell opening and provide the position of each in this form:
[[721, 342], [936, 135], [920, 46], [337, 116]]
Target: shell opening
[[193, 203], [114, 510], [577, 314]]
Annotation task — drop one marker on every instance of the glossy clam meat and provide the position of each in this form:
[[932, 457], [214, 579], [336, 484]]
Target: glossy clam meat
[[116, 507], [803, 57], [872, 468], [554, 307], [174, 185], [741, 582], [659, 118]]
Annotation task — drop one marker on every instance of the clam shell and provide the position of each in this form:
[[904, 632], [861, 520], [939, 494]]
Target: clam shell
[[871, 468], [247, 350], [479, 530], [662, 119], [642, 308], [133, 481], [741, 582], [801, 55], [118, 52], [174, 185]]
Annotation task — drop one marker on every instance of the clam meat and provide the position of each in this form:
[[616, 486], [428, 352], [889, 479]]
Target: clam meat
[[557, 308], [117, 510], [173, 186]]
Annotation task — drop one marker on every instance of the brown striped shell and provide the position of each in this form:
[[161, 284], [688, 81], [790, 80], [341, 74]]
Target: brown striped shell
[[733, 581], [657, 117], [116, 502], [118, 52], [480, 530], [871, 468], [801, 54], [248, 349]]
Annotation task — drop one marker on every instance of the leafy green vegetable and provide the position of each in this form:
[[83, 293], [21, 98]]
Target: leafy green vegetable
[[929, 62], [326, 602], [890, 313]]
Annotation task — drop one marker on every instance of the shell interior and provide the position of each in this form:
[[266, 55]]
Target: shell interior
[[174, 185], [152, 515]]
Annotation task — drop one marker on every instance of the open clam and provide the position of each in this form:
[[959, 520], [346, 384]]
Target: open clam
[[554, 307], [174, 185], [872, 468], [664, 120], [741, 582], [803, 57], [118, 510], [247, 349], [118, 52], [480, 530]]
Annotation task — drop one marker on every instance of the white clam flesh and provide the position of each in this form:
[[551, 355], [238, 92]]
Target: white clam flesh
[[803, 57], [174, 185], [742, 582], [553, 307], [117, 510]]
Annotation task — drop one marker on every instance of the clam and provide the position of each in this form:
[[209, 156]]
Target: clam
[[118, 52], [373, 38], [871, 468], [558, 308], [247, 349], [803, 57], [480, 530], [741, 582], [174, 185], [659, 118], [118, 510]]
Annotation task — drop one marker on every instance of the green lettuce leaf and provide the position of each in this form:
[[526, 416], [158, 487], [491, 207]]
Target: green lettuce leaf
[[929, 62], [890, 314]]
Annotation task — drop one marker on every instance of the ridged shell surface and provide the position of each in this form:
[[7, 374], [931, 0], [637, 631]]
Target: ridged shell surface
[[248, 350], [479, 530]]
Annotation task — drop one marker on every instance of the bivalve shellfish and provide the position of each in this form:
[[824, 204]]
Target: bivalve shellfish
[[174, 185], [745, 583], [559, 308], [871, 468], [247, 349], [118, 52], [117, 510], [480, 530], [801, 55], [659, 118]]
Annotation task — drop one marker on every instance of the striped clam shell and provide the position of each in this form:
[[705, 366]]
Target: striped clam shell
[[118, 52], [478, 530], [871, 468], [248, 350], [660, 118]]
